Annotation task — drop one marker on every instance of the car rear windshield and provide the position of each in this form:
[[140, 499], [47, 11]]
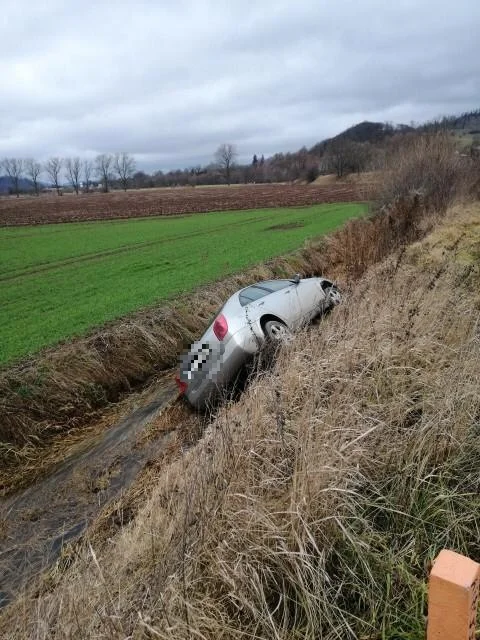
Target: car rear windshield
[[257, 291]]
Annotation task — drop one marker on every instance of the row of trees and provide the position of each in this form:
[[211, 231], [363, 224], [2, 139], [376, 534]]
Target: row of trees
[[77, 173], [363, 147], [107, 170], [339, 155], [302, 165]]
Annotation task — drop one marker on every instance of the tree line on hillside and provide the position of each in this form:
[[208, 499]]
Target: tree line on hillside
[[366, 146]]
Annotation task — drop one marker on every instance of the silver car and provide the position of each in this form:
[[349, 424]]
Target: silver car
[[263, 312]]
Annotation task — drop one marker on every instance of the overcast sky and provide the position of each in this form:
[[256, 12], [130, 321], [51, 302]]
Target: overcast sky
[[168, 81]]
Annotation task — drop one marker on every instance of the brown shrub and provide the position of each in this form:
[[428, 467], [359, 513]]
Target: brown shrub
[[430, 166]]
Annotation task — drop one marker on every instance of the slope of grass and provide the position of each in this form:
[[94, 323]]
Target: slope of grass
[[58, 281], [314, 506]]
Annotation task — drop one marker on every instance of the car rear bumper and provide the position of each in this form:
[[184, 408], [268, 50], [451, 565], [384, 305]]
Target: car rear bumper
[[221, 370]]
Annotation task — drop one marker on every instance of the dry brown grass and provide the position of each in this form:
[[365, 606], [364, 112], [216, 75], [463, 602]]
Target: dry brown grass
[[311, 508]]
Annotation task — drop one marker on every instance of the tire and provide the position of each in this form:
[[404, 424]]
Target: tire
[[276, 331]]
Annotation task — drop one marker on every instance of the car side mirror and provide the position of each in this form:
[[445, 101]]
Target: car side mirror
[[296, 278]]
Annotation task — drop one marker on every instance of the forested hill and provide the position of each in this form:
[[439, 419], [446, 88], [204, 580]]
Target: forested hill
[[375, 132]]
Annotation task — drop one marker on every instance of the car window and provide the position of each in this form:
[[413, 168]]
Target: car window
[[257, 291], [250, 294], [275, 285]]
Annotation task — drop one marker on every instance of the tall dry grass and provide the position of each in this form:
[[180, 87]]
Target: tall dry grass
[[313, 507]]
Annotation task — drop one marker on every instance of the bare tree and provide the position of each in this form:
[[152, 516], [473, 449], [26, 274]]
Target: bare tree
[[124, 165], [225, 156], [53, 166], [102, 168], [73, 167], [33, 169], [347, 156], [87, 174], [14, 169]]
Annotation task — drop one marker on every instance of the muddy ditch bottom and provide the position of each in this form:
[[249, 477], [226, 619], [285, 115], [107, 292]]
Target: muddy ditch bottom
[[36, 523]]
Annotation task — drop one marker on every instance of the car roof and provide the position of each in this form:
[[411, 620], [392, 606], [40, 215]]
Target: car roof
[[260, 282]]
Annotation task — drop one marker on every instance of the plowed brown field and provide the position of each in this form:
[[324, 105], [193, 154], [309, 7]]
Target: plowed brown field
[[155, 202]]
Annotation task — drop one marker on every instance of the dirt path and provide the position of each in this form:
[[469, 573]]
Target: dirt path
[[36, 523]]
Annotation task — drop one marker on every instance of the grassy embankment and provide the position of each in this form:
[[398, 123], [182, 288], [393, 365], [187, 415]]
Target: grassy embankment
[[314, 506], [59, 281]]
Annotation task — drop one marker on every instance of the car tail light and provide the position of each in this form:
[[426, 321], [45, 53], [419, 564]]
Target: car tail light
[[182, 386], [220, 327]]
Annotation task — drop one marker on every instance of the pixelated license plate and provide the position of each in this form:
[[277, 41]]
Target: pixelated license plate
[[201, 361]]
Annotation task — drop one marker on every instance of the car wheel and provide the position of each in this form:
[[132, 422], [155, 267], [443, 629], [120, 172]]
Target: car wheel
[[277, 331]]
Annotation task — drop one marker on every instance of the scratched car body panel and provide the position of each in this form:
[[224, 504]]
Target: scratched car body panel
[[263, 311]]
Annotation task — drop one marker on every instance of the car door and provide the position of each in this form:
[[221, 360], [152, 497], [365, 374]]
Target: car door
[[310, 296], [282, 302]]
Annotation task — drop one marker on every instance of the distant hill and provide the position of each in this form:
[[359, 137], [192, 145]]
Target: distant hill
[[371, 131], [469, 122], [466, 123], [359, 147], [6, 185], [363, 132]]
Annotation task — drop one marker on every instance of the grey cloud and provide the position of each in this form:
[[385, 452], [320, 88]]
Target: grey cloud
[[170, 81]]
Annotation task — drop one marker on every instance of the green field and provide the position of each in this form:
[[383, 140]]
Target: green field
[[59, 281]]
